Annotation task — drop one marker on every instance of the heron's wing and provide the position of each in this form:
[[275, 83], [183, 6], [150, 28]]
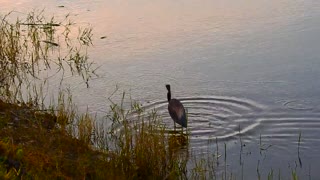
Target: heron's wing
[[174, 113]]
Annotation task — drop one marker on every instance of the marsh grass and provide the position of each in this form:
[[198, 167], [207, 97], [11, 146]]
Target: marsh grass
[[31, 45], [73, 147], [145, 149]]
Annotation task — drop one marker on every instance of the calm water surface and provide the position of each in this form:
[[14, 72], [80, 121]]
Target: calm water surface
[[238, 66]]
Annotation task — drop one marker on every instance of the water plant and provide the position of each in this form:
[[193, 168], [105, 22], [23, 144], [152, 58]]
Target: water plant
[[32, 45]]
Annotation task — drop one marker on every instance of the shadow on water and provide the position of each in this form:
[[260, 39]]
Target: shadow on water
[[178, 141]]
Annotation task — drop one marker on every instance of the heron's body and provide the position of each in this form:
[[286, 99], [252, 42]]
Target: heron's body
[[176, 110]]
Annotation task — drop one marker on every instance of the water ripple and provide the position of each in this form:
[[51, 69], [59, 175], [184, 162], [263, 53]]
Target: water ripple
[[226, 118]]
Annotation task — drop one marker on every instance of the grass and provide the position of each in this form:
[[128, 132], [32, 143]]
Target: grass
[[58, 142], [40, 145], [33, 45]]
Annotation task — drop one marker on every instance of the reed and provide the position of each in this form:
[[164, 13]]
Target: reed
[[34, 44]]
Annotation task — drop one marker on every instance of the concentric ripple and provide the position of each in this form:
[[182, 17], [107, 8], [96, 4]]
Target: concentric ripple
[[213, 117], [226, 118]]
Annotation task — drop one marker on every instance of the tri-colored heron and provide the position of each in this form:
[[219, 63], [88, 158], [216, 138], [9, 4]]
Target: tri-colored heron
[[176, 110]]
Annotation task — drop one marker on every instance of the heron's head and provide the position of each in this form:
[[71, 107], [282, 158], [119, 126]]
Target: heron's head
[[168, 87]]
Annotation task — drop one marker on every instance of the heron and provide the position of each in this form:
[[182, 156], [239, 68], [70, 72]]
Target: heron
[[176, 110]]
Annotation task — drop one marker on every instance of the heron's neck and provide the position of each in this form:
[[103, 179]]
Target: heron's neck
[[169, 96]]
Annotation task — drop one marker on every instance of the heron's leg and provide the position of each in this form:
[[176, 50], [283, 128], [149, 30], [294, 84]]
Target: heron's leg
[[174, 125]]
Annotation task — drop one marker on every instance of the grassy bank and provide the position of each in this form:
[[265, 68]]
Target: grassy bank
[[51, 145]]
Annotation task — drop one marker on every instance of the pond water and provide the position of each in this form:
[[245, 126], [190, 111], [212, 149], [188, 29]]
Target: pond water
[[238, 66]]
